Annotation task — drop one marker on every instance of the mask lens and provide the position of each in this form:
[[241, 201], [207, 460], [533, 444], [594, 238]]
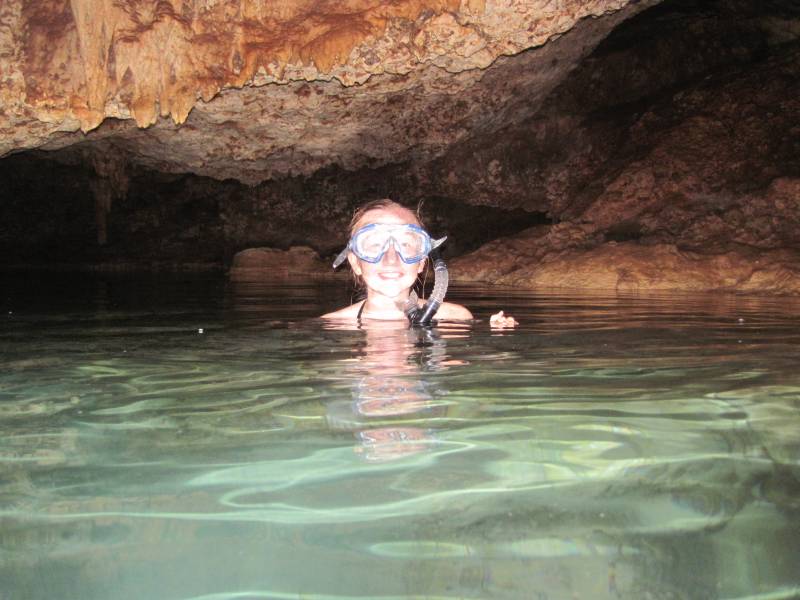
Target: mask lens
[[411, 244], [371, 242]]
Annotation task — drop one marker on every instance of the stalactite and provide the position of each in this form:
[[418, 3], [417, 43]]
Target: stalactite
[[102, 189], [110, 184]]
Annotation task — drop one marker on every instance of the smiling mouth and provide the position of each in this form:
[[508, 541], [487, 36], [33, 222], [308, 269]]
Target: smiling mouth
[[391, 275]]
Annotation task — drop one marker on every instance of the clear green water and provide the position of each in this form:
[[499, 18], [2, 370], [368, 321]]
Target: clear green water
[[610, 447]]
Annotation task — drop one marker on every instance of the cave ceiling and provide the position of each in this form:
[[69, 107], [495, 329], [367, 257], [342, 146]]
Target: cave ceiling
[[665, 127], [257, 90]]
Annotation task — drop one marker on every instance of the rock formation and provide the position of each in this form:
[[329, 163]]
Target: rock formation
[[273, 87], [616, 144]]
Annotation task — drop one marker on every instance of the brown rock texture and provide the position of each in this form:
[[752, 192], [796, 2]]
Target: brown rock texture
[[262, 88], [256, 264], [698, 190], [632, 267], [612, 144]]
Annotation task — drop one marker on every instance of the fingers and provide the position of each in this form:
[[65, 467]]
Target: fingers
[[500, 320], [497, 317]]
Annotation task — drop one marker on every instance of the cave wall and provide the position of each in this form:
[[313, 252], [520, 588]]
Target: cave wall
[[673, 161], [674, 117], [646, 134], [185, 220]]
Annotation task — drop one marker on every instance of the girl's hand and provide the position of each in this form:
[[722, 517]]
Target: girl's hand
[[500, 321]]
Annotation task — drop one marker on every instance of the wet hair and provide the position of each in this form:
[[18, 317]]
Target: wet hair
[[379, 204]]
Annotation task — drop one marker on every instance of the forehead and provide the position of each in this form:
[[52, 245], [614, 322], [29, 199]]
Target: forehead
[[394, 215]]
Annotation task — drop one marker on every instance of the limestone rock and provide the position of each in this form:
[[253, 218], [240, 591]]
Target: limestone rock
[[256, 264], [262, 88], [633, 267], [626, 145]]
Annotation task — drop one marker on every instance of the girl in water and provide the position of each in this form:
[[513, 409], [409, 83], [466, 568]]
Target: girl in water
[[388, 249]]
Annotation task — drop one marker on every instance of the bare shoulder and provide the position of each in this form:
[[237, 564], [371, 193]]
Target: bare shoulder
[[347, 313], [450, 310]]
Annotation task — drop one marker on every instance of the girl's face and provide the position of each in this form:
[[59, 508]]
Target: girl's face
[[389, 277]]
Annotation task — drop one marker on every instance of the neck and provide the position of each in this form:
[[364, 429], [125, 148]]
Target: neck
[[383, 307]]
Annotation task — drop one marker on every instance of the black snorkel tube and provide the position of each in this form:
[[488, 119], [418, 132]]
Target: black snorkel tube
[[421, 316]]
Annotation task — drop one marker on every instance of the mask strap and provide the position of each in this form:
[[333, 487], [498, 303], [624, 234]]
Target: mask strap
[[341, 257]]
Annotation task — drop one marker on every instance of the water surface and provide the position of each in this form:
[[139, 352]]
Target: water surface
[[169, 438]]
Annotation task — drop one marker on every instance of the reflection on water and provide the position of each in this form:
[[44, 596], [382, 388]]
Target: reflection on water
[[184, 439], [393, 406]]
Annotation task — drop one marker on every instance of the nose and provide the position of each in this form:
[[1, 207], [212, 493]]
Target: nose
[[391, 257]]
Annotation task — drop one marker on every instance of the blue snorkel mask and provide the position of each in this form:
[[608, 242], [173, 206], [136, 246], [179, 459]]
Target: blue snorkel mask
[[412, 244]]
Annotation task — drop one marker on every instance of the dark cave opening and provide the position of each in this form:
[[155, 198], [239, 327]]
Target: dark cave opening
[[164, 218]]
